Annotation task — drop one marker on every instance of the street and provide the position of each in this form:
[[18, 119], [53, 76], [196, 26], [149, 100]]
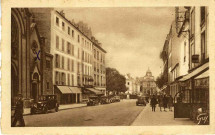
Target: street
[[116, 114]]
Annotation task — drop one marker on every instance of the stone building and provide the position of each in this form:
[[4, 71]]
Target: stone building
[[148, 85], [73, 55], [99, 69], [30, 62]]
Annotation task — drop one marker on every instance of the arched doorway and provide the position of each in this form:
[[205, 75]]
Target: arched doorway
[[35, 86]]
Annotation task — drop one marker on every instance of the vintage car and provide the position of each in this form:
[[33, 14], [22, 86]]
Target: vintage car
[[115, 99], [45, 103], [104, 100], [93, 100], [141, 101]]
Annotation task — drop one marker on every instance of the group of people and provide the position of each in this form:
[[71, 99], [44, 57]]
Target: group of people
[[163, 101]]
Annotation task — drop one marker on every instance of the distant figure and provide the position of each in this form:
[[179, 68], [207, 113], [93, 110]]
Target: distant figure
[[170, 103], [153, 103], [165, 101], [160, 101], [18, 115]]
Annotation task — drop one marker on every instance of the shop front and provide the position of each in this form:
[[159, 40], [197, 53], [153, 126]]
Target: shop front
[[193, 94]]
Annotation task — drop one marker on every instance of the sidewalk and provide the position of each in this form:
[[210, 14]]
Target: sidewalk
[[158, 118], [61, 107]]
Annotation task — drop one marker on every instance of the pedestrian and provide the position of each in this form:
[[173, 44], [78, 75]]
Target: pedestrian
[[153, 103], [165, 101], [160, 101], [18, 115], [170, 103]]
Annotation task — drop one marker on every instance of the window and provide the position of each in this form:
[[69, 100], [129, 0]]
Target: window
[[69, 30], [48, 64], [47, 85], [57, 21], [57, 61], [192, 22], [78, 39], [56, 78], [68, 64], [62, 44], [95, 79], [95, 53], [72, 65], [68, 76], [63, 26], [203, 15], [73, 33], [192, 52], [63, 78], [57, 42], [72, 80], [73, 50], [63, 62], [78, 65], [78, 53], [82, 55], [203, 47], [68, 48]]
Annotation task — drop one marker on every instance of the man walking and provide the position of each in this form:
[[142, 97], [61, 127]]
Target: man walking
[[153, 103], [165, 101], [18, 115], [160, 101]]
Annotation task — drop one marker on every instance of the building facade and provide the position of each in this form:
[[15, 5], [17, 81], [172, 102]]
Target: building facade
[[30, 61], [148, 84], [129, 84], [72, 48], [99, 70]]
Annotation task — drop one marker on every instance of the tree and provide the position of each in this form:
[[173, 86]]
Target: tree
[[160, 81], [115, 81]]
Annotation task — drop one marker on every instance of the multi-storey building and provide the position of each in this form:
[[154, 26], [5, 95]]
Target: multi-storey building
[[72, 50], [196, 82], [129, 84], [99, 70], [148, 84], [30, 60]]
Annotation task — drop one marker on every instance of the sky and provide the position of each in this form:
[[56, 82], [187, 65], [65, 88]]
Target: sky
[[133, 37]]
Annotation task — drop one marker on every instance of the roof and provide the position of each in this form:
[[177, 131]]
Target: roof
[[195, 72], [203, 75], [75, 89], [64, 89]]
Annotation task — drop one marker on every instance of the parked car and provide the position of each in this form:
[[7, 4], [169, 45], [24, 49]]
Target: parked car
[[104, 100], [115, 99], [45, 103], [141, 101], [93, 100]]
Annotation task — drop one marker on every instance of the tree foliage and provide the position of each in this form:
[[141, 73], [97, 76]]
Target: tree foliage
[[160, 81], [115, 81]]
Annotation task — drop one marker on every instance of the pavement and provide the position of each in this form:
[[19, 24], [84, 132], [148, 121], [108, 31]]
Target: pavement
[[61, 107], [115, 114], [158, 118]]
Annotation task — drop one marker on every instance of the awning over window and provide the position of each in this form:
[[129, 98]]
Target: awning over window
[[75, 89], [64, 89], [195, 72], [97, 92], [203, 75]]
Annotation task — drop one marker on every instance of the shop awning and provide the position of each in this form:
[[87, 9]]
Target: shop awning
[[97, 92], [100, 88], [195, 72], [75, 89], [203, 75], [164, 87], [64, 89]]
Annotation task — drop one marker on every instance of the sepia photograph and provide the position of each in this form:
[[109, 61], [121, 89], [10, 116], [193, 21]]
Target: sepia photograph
[[110, 66]]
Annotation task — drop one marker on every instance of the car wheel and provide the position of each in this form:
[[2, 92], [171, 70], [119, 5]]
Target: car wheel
[[45, 110], [56, 109], [32, 111]]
